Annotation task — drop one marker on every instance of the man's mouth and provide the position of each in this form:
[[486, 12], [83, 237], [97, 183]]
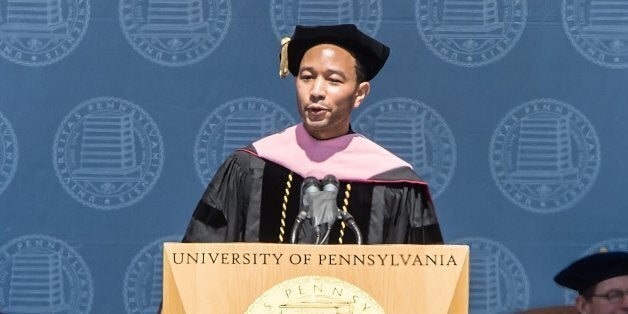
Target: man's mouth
[[316, 109]]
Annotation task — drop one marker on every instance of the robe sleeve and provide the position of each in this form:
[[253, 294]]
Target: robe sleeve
[[220, 215], [411, 216], [424, 227]]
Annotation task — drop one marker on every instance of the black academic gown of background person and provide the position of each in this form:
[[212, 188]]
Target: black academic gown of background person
[[255, 195]]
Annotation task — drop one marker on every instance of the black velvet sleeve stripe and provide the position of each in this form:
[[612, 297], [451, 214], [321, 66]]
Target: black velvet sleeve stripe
[[273, 190], [359, 207]]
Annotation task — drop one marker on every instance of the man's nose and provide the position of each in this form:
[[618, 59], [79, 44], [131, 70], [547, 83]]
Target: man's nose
[[318, 89]]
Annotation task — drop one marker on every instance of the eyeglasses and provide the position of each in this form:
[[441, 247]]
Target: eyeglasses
[[613, 296]]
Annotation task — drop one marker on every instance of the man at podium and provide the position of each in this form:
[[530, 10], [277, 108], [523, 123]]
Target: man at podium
[[319, 172]]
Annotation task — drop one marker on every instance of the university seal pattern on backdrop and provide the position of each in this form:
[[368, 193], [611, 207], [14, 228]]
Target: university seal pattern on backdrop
[[175, 33], [232, 126], [8, 153], [38, 33], [42, 274], [544, 156], [470, 33], [498, 282], [414, 132], [108, 153], [286, 14], [598, 29], [143, 281]]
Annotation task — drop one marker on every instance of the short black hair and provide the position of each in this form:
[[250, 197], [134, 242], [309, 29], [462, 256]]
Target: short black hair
[[588, 292], [359, 71]]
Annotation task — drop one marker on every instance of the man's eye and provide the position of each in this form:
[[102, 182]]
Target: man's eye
[[615, 294]]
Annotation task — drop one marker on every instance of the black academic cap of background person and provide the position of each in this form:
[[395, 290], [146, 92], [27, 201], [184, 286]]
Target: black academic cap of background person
[[371, 53], [589, 270]]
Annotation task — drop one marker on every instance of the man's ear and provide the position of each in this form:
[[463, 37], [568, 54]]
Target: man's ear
[[363, 90], [582, 304]]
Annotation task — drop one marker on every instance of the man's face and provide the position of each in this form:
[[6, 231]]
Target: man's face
[[601, 305], [327, 90]]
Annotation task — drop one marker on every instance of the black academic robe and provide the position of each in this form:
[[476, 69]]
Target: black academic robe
[[255, 195]]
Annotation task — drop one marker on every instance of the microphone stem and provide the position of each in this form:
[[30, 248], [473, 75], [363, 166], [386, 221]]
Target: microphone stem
[[297, 225], [326, 236], [317, 233], [350, 221]]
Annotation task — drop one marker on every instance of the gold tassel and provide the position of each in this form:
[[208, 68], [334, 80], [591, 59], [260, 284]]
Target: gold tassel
[[283, 61]]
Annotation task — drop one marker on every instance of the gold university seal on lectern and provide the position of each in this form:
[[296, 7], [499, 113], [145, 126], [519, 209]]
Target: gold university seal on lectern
[[315, 294]]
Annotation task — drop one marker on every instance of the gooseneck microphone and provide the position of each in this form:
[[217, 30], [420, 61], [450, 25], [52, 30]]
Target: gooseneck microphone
[[319, 208], [330, 183], [309, 188]]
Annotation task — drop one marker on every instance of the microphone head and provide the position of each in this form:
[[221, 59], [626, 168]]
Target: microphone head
[[309, 188], [310, 185], [330, 183]]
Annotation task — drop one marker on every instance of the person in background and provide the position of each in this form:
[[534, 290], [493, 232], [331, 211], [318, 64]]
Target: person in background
[[601, 281]]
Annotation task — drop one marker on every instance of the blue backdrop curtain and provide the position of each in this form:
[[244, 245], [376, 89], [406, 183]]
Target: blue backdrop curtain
[[115, 114]]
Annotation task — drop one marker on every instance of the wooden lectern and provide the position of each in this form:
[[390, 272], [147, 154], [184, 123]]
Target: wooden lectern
[[299, 278]]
